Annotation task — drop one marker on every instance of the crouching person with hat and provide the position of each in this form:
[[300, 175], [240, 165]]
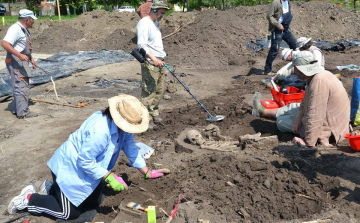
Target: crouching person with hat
[[17, 42], [324, 112], [287, 54], [85, 160]]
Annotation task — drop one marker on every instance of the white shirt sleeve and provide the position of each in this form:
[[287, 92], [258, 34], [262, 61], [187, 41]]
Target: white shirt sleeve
[[318, 56], [142, 30], [12, 35]]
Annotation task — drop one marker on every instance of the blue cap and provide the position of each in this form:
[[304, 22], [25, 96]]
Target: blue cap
[[24, 13]]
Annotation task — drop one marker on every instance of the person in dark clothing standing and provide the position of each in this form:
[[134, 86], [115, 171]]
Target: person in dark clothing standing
[[279, 16]]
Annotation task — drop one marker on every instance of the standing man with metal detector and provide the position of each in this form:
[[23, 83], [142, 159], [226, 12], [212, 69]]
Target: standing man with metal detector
[[153, 74], [279, 17], [17, 42]]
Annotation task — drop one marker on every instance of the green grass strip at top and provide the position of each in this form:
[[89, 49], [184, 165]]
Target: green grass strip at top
[[13, 19]]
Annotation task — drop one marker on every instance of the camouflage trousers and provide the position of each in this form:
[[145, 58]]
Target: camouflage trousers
[[152, 87]]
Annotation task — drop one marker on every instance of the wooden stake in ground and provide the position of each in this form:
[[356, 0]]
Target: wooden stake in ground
[[57, 98], [58, 6]]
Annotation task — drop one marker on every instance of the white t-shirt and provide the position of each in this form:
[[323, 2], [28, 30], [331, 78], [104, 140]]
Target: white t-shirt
[[16, 37], [285, 8], [149, 37]]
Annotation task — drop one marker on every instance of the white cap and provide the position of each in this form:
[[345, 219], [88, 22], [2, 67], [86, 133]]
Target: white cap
[[24, 13], [285, 53], [302, 41], [305, 63]]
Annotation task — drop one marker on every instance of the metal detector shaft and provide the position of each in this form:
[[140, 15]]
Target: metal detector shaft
[[187, 89]]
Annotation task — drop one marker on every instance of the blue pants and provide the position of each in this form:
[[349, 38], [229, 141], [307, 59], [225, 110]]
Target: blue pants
[[276, 37]]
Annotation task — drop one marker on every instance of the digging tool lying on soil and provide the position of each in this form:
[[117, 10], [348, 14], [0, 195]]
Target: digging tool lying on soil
[[173, 212], [140, 56], [57, 103], [57, 98]]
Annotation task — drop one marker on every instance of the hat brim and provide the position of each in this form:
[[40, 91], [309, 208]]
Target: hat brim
[[33, 17], [123, 123], [310, 69]]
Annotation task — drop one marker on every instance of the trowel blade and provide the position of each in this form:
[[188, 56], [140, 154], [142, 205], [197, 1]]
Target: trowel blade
[[215, 118]]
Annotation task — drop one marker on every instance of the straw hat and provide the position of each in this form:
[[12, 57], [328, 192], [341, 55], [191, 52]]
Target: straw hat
[[129, 114], [305, 63]]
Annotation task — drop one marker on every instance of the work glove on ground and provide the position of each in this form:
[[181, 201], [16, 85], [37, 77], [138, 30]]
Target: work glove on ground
[[116, 183], [156, 173]]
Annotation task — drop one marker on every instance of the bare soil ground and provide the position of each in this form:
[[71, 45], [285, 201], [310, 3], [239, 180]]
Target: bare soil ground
[[274, 182]]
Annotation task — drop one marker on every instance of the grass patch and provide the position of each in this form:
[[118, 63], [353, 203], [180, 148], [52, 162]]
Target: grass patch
[[13, 19]]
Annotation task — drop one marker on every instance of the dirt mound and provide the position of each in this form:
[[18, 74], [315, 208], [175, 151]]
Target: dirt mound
[[210, 38], [91, 31], [219, 38]]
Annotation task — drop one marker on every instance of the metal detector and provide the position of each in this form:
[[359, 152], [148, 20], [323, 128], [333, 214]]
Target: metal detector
[[139, 54]]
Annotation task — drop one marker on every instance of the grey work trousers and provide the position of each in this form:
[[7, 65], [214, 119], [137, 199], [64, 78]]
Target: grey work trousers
[[21, 91]]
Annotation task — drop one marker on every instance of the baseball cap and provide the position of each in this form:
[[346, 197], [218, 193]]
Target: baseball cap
[[159, 5], [305, 63], [24, 13]]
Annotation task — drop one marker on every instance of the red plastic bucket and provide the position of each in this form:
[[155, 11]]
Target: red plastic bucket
[[354, 141], [294, 95]]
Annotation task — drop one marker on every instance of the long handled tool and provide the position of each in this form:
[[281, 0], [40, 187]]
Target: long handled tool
[[57, 98], [173, 212], [140, 56], [57, 103]]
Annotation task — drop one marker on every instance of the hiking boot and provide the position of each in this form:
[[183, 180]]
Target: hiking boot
[[157, 119], [45, 187], [20, 202], [258, 109], [28, 115], [269, 73], [266, 80]]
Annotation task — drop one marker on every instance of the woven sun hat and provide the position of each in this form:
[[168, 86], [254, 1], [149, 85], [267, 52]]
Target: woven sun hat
[[301, 42], [159, 5], [285, 53], [305, 63], [129, 114]]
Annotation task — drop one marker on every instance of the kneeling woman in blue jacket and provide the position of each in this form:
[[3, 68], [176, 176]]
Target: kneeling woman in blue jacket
[[80, 164]]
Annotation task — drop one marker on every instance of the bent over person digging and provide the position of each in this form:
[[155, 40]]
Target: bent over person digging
[[324, 112], [84, 161]]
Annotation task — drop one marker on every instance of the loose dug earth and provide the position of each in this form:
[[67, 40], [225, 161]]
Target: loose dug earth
[[274, 182]]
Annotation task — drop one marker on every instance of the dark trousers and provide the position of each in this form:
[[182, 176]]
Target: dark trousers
[[276, 37], [57, 205]]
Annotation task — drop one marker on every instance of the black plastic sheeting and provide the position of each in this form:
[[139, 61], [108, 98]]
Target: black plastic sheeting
[[65, 64], [338, 45]]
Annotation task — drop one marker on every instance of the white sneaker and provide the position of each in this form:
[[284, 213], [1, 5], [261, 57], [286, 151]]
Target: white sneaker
[[45, 187], [20, 202]]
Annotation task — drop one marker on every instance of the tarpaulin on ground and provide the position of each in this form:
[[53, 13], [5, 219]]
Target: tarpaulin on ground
[[338, 45], [262, 43], [65, 64]]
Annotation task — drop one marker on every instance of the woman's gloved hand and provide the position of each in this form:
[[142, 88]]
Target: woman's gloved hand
[[156, 173], [116, 183]]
